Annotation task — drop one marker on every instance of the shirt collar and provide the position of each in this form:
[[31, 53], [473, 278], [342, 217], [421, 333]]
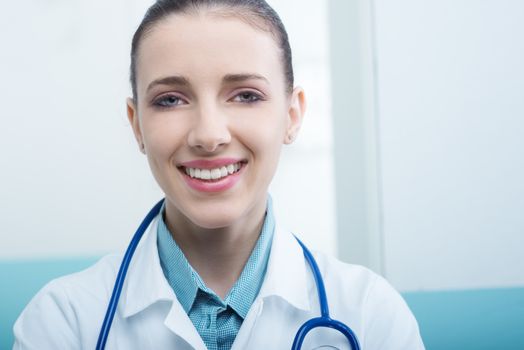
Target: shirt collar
[[177, 270], [246, 289], [186, 282]]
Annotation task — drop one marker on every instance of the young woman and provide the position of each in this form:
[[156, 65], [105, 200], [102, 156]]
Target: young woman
[[213, 103]]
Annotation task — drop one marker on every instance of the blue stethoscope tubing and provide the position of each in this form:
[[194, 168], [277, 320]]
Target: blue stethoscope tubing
[[119, 283], [323, 321]]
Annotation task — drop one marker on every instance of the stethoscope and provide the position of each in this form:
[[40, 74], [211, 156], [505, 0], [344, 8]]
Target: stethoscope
[[323, 321]]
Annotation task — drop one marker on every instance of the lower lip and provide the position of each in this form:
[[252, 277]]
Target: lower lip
[[219, 185]]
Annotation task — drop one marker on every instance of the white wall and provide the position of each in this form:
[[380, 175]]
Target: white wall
[[304, 188], [72, 181], [358, 205], [451, 110]]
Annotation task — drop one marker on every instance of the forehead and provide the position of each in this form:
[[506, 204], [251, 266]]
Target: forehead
[[206, 46]]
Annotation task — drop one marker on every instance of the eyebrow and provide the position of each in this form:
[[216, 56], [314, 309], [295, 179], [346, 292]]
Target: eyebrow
[[171, 80], [235, 78], [228, 78]]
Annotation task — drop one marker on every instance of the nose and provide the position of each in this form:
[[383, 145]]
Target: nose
[[210, 130]]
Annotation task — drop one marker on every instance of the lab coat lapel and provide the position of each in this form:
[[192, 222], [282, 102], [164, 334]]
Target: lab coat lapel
[[286, 275], [146, 284], [286, 283]]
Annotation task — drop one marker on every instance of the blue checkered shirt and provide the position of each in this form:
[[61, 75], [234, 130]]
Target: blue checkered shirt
[[216, 320]]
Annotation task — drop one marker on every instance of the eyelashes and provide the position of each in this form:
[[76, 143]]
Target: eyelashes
[[247, 97], [171, 100], [168, 101]]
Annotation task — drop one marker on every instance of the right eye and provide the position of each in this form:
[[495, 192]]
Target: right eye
[[167, 101]]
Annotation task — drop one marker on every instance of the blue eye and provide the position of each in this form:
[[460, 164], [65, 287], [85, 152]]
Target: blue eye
[[247, 97], [168, 101]]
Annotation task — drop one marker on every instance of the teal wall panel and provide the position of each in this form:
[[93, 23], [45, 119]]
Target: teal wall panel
[[470, 319], [21, 280]]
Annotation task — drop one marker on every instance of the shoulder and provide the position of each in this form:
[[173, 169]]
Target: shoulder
[[61, 304], [385, 320], [347, 278], [94, 282], [98, 275]]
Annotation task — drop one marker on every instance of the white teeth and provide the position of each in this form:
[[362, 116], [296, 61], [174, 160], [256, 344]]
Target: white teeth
[[205, 174], [217, 173]]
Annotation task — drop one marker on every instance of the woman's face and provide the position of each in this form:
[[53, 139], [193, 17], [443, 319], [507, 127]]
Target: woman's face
[[212, 113]]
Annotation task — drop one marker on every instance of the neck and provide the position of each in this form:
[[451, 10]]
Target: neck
[[219, 254]]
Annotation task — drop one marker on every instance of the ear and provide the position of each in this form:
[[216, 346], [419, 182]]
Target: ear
[[297, 108], [132, 116]]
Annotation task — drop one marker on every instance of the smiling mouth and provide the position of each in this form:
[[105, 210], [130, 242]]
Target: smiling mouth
[[215, 174]]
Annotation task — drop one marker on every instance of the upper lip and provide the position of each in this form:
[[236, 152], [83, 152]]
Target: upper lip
[[209, 163]]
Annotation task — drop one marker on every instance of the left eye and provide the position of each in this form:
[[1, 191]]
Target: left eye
[[168, 101], [247, 97]]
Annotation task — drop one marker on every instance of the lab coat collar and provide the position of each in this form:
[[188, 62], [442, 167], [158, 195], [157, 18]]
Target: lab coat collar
[[286, 275]]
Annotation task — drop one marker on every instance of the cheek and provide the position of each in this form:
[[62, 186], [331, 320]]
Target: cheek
[[162, 134], [264, 135], [266, 123]]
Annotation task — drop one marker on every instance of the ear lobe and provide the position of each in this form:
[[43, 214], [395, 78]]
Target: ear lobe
[[297, 108], [132, 116]]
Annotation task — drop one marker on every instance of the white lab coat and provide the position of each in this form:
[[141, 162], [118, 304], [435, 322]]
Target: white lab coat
[[68, 312]]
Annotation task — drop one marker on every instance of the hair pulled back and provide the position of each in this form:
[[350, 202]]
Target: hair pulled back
[[255, 12]]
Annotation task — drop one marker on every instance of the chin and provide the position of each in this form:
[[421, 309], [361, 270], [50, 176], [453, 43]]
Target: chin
[[217, 212], [215, 220]]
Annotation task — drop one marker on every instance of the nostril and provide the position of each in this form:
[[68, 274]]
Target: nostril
[[211, 147], [209, 137]]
